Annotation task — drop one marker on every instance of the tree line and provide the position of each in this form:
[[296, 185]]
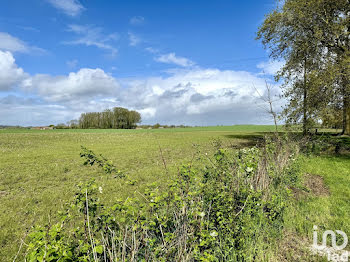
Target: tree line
[[312, 37], [118, 117]]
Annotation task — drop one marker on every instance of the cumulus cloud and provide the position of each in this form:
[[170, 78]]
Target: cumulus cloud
[[69, 7], [86, 84], [17, 110], [43, 99], [10, 74], [270, 67], [137, 20], [193, 96], [93, 36], [171, 58], [197, 97]]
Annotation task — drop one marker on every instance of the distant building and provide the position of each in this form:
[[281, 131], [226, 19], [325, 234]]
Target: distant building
[[42, 127]]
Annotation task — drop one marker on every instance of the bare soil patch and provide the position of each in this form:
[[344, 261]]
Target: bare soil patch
[[3, 193], [316, 185], [295, 248], [313, 185]]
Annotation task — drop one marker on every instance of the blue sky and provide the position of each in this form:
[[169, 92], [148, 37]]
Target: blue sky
[[176, 62]]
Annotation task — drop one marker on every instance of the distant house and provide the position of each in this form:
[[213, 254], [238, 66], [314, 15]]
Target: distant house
[[42, 127]]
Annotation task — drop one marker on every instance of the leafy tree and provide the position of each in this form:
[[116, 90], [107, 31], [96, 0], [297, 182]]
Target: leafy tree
[[156, 126], [331, 117], [61, 126], [73, 124], [312, 36], [287, 34], [133, 118], [118, 117], [335, 37]]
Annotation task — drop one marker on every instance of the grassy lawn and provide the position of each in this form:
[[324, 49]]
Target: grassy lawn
[[40, 168], [329, 211], [328, 208]]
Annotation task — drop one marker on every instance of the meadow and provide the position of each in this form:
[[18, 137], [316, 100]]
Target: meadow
[[40, 168], [39, 171]]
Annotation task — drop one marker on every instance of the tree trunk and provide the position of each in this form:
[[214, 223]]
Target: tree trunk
[[346, 105], [347, 124], [305, 129]]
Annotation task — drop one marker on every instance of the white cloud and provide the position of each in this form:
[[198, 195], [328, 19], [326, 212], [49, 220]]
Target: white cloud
[[137, 20], [93, 36], [10, 74], [12, 44], [193, 96], [171, 58], [271, 67], [147, 113], [152, 50], [134, 40], [28, 111], [86, 84], [197, 97], [69, 7], [72, 63]]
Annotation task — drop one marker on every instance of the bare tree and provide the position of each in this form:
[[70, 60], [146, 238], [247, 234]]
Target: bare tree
[[269, 100]]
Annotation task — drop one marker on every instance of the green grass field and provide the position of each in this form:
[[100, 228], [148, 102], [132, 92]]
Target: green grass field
[[40, 168], [328, 209], [39, 171]]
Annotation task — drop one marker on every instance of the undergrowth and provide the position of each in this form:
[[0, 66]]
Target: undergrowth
[[232, 209], [91, 158]]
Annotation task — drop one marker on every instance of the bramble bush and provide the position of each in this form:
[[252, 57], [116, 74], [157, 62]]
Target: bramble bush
[[229, 210], [91, 158]]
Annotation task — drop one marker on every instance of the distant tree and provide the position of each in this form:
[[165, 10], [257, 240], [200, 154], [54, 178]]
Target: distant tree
[[133, 119], [61, 126], [107, 119], [118, 117], [73, 124], [156, 126]]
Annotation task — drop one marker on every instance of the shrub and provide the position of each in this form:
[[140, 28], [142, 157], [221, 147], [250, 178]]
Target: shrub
[[91, 158], [325, 144]]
